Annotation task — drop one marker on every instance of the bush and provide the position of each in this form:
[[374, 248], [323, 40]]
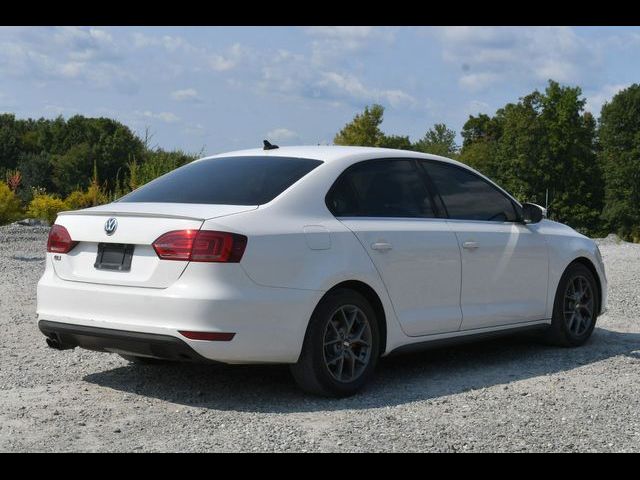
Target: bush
[[9, 205], [76, 200], [45, 207], [91, 197], [155, 164]]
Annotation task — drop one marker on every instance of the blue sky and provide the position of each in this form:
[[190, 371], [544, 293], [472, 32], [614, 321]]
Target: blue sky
[[223, 88]]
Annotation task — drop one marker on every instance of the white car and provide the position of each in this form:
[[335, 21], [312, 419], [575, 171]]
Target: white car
[[326, 258]]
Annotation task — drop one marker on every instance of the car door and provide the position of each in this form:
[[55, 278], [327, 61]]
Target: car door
[[387, 205], [504, 262]]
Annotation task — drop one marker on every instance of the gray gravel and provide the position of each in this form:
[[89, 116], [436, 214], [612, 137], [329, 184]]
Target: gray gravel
[[512, 394]]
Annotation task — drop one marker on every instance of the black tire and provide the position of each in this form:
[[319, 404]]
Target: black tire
[[567, 329], [316, 372], [141, 360]]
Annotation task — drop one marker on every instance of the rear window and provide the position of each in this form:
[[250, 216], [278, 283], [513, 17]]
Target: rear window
[[226, 181]]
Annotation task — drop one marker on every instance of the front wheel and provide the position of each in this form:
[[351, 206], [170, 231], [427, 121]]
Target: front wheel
[[341, 347], [575, 308]]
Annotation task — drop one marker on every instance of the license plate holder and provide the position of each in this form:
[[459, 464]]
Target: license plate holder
[[114, 256]]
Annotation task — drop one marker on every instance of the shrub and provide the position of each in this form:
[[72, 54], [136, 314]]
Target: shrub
[[14, 178], [155, 164], [9, 205], [45, 207], [76, 200], [90, 197]]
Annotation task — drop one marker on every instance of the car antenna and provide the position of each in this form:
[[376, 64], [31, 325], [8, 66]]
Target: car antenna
[[269, 146]]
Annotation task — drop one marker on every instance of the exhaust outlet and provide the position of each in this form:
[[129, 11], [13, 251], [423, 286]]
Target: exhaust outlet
[[56, 344], [53, 343]]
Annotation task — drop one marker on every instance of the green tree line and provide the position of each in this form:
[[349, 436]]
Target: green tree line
[[53, 164], [545, 146]]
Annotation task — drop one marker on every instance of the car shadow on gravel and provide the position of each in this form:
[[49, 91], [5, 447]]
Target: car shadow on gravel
[[400, 379]]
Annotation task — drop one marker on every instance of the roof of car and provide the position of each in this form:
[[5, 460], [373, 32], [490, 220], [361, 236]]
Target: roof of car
[[331, 153]]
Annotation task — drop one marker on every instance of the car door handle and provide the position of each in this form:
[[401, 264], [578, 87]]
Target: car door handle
[[381, 246], [470, 245]]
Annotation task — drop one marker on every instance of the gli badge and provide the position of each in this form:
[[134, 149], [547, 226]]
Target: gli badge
[[110, 226]]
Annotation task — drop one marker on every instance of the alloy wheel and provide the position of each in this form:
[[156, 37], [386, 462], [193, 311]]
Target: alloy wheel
[[578, 305], [347, 343]]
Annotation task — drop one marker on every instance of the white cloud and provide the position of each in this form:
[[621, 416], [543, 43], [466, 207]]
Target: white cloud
[[488, 56], [166, 117], [188, 94], [169, 43], [477, 81], [84, 44], [596, 100], [343, 32], [286, 73], [108, 59], [293, 76], [622, 40], [195, 55], [71, 69], [220, 63], [350, 37], [340, 43], [347, 85], [229, 60], [281, 135], [84, 55]]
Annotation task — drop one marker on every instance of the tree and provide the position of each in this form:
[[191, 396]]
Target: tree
[[544, 142], [58, 156], [439, 140], [9, 142], [36, 173], [78, 143], [571, 165], [72, 170], [619, 155], [398, 142], [364, 129]]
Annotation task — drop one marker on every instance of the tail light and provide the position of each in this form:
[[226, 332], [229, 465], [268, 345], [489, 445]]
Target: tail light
[[59, 240], [201, 246]]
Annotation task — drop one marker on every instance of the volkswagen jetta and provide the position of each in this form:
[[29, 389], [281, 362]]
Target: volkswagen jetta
[[324, 258]]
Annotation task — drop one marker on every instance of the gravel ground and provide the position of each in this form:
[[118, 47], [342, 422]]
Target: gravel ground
[[513, 394]]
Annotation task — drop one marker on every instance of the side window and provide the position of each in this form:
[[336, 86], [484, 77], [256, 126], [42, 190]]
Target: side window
[[380, 188], [468, 196]]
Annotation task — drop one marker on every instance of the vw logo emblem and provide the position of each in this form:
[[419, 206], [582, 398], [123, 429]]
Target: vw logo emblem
[[110, 226]]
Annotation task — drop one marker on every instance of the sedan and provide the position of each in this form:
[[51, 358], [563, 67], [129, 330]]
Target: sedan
[[325, 258]]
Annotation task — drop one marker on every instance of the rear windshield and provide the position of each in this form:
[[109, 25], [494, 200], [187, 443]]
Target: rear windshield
[[226, 181]]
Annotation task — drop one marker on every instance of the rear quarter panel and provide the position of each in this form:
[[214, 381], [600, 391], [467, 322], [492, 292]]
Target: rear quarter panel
[[283, 252]]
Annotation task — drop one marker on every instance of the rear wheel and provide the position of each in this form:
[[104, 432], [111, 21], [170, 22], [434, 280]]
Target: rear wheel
[[575, 309], [341, 347]]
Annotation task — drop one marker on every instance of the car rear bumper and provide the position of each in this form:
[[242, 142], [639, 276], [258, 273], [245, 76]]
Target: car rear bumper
[[269, 323], [64, 336]]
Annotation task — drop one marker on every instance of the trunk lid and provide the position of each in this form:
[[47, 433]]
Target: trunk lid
[[138, 224]]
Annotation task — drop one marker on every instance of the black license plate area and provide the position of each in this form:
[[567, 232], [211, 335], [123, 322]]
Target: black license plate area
[[114, 256]]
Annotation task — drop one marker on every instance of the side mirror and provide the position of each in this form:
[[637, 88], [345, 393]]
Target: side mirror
[[532, 213]]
